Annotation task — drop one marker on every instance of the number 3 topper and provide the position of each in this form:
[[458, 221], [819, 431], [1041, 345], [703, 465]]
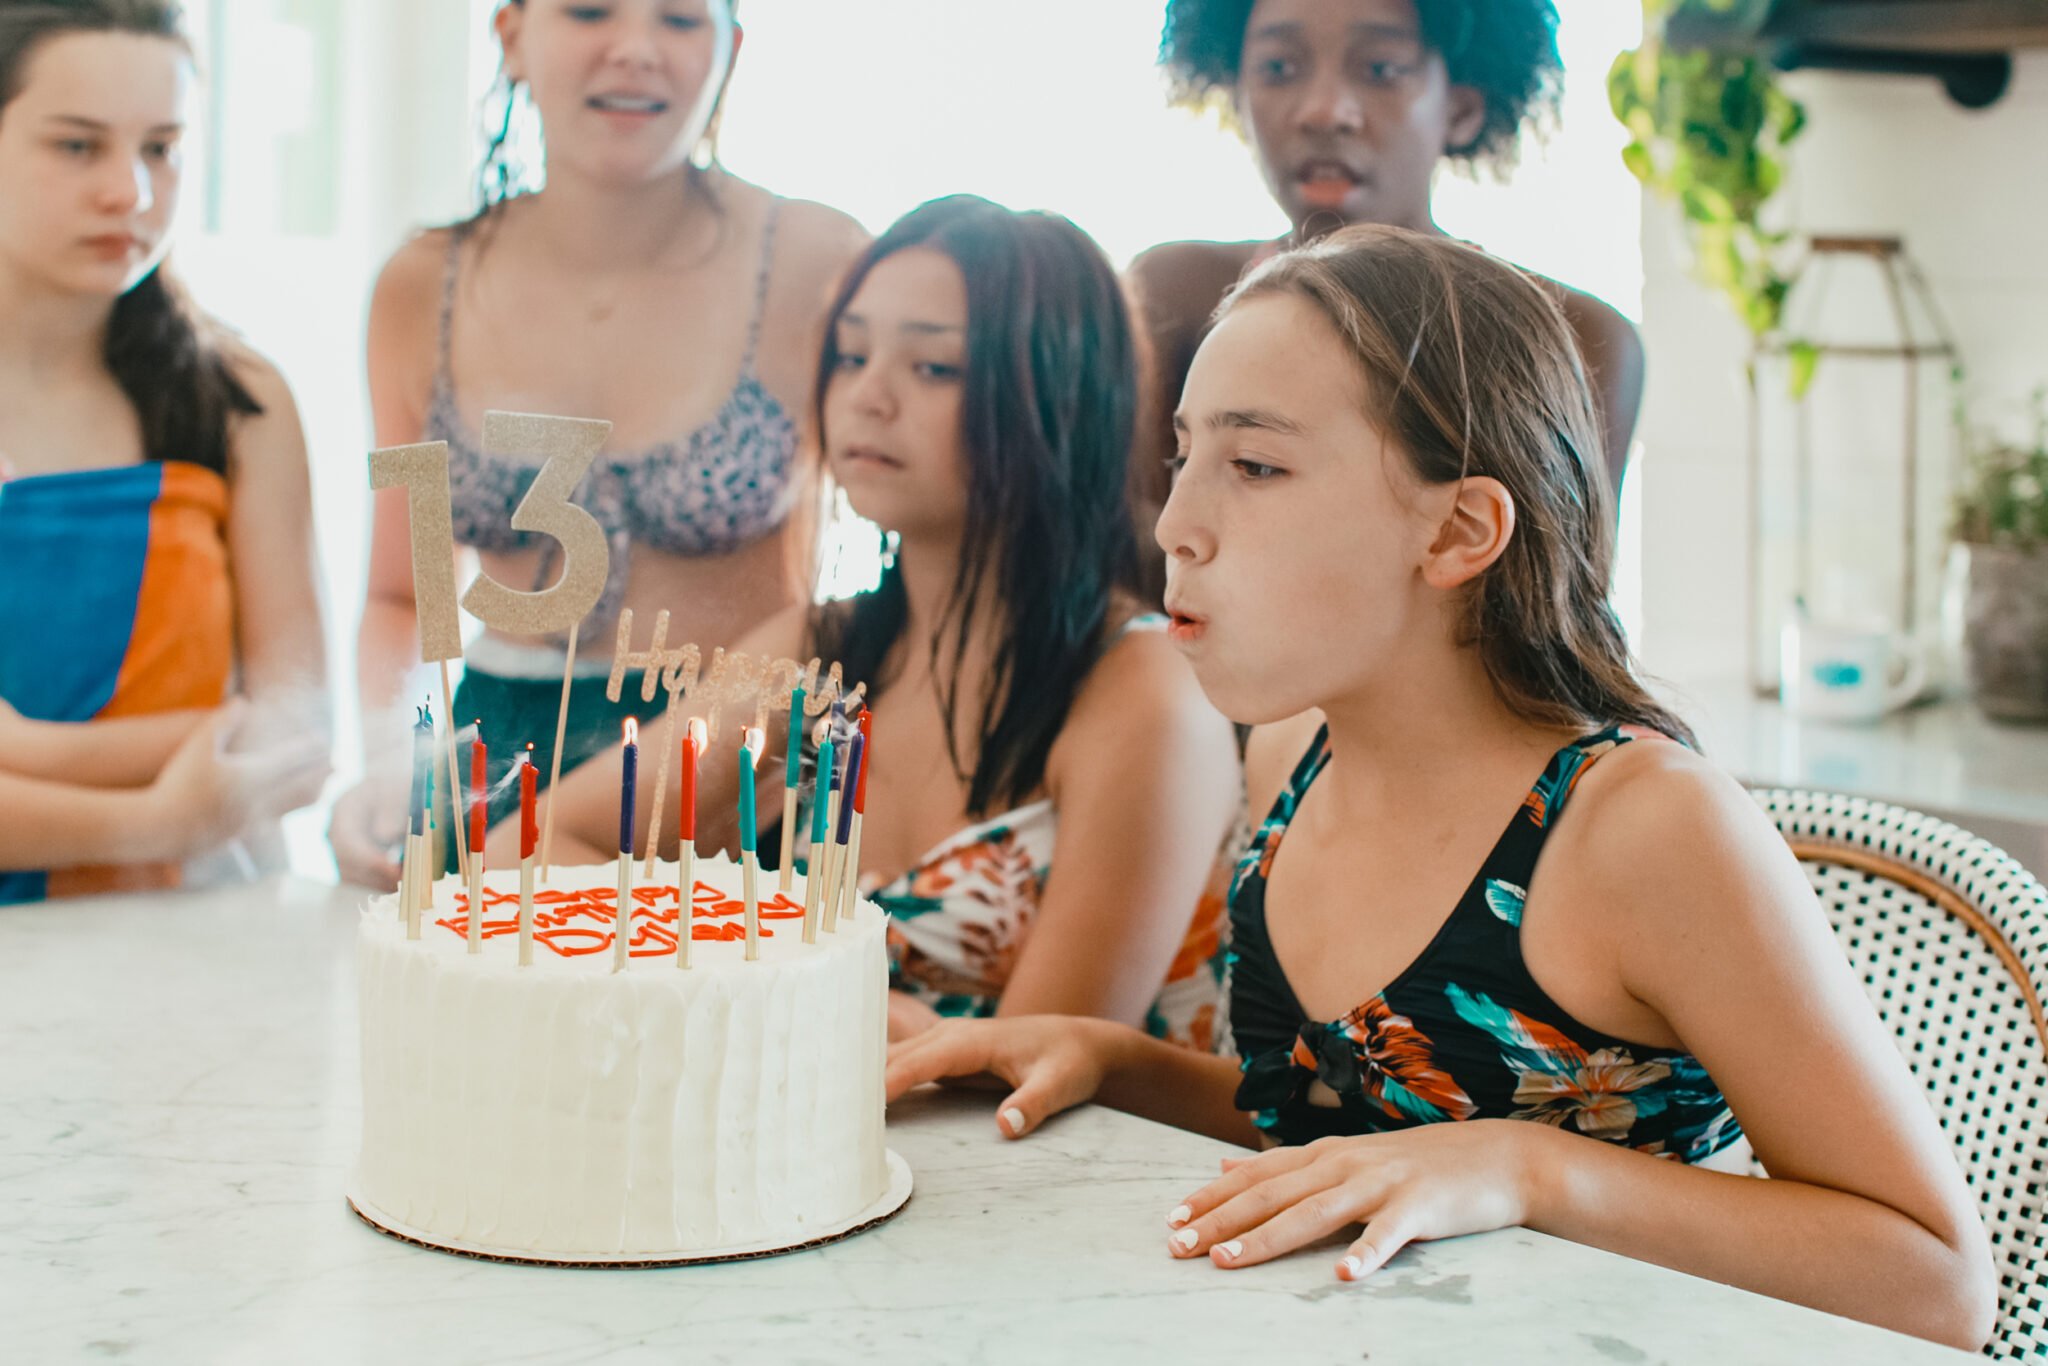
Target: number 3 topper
[[566, 447]]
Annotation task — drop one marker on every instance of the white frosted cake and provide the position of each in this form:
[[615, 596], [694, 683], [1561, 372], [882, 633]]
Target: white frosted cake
[[567, 1111]]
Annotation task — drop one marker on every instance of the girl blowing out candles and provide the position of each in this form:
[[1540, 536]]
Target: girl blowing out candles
[[1506, 950], [1048, 786]]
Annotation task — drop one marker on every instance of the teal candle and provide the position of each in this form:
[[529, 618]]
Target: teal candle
[[821, 799], [747, 820], [796, 740]]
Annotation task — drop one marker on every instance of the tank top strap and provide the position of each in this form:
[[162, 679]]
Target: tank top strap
[[761, 280], [444, 346], [1514, 857]]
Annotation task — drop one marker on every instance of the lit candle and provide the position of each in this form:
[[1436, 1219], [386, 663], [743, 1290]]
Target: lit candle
[[629, 776], [686, 858], [749, 862], [792, 775], [529, 837], [814, 870], [479, 788]]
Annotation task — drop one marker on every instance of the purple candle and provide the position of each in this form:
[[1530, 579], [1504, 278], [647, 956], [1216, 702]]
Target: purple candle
[[628, 780]]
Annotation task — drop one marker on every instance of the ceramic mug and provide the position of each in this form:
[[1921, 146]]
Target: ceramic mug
[[1833, 672]]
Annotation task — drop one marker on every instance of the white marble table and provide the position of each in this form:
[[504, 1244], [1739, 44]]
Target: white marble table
[[178, 1110]]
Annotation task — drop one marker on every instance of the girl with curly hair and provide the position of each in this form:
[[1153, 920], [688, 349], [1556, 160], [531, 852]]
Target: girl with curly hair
[[1350, 107]]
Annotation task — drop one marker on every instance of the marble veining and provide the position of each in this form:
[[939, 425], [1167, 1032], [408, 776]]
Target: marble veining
[[181, 1110]]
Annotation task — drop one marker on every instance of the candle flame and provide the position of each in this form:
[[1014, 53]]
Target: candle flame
[[757, 740], [697, 732], [632, 731]]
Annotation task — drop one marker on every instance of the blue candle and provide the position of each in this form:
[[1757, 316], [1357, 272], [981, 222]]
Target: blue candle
[[422, 769], [629, 777], [853, 757], [747, 819]]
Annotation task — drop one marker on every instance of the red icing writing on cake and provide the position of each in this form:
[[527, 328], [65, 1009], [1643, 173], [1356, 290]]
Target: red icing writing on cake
[[573, 924]]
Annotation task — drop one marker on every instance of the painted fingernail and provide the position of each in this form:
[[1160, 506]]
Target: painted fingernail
[[1014, 1118], [1231, 1249], [1187, 1238], [1354, 1267], [1181, 1214]]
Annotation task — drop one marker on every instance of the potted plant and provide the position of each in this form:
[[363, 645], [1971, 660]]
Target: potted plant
[[2002, 524], [1709, 130]]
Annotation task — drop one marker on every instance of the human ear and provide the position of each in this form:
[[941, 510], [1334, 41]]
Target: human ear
[[1474, 533], [1467, 108], [508, 23]]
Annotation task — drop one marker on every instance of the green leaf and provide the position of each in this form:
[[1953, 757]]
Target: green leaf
[[1803, 358]]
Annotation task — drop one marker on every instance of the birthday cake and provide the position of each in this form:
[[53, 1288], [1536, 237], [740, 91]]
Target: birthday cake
[[581, 1108]]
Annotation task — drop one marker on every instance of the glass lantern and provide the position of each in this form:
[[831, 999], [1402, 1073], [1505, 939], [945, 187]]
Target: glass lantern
[[1853, 450]]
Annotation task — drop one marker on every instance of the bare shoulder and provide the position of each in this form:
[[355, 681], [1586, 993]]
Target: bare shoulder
[[820, 230], [1179, 284], [1140, 698], [814, 243], [258, 374], [1141, 674], [410, 282], [1660, 830], [405, 303], [1604, 334]]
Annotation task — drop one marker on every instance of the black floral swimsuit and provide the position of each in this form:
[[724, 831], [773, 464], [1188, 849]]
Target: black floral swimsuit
[[1464, 1032]]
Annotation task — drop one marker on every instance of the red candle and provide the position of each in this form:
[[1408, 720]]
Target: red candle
[[867, 735], [479, 785], [691, 752], [529, 826]]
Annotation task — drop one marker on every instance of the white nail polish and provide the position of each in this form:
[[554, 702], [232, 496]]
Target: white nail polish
[[1014, 1118], [1354, 1267], [1181, 1214], [1187, 1238], [1231, 1249]]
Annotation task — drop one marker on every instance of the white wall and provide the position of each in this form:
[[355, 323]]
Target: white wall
[[1881, 155]]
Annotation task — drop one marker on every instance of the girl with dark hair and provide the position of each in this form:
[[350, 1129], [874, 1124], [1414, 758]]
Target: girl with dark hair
[[1388, 550], [1350, 107], [1050, 788], [155, 522], [641, 283]]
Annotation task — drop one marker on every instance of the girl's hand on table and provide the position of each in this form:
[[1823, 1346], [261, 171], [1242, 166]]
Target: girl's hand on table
[[909, 1017], [1436, 1181], [1051, 1063]]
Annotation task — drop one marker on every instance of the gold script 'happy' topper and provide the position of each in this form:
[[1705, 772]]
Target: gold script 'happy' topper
[[731, 679]]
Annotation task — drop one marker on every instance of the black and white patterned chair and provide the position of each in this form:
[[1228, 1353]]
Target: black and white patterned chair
[[1950, 937]]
